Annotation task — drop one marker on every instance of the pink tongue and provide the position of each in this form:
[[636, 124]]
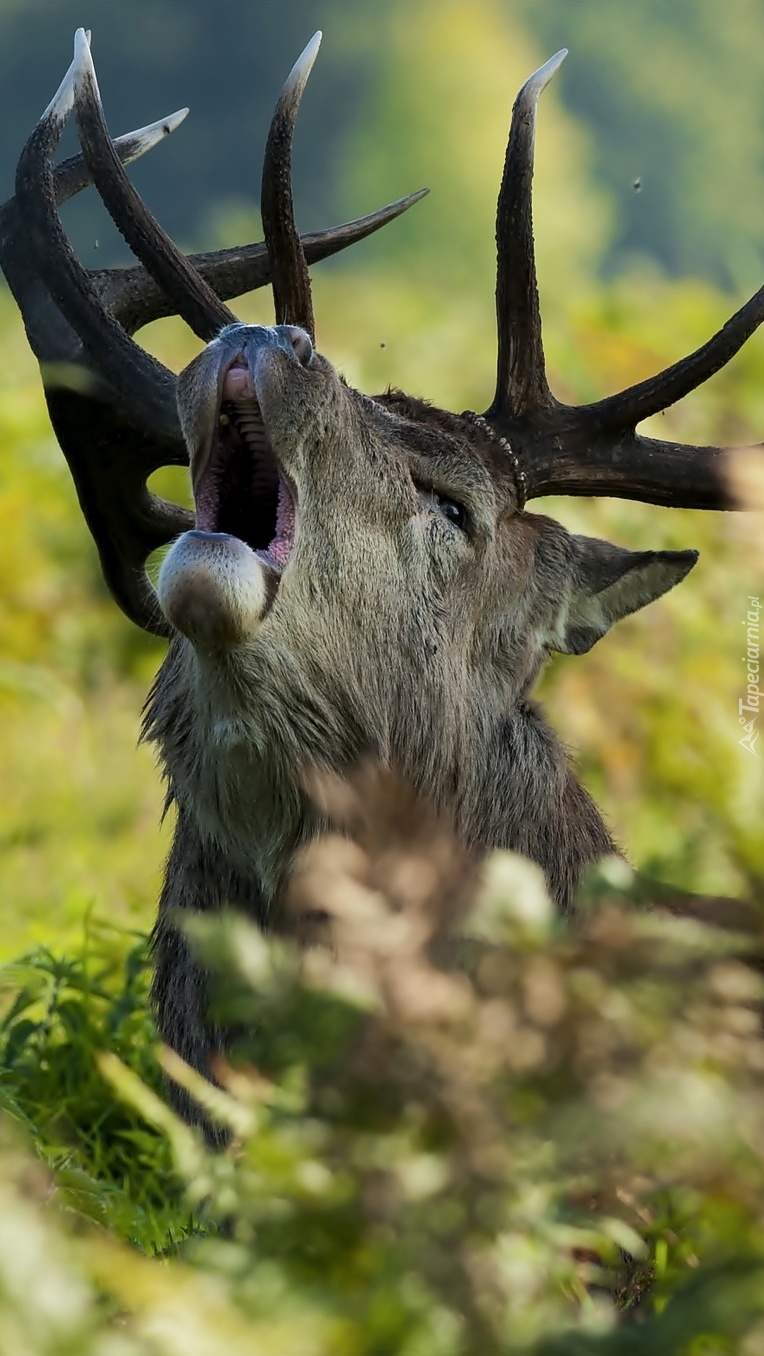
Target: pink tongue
[[281, 546], [237, 384]]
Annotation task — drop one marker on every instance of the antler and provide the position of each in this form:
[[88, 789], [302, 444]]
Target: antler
[[111, 404], [291, 282], [590, 449]]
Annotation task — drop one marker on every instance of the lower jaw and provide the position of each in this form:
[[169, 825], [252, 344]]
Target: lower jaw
[[276, 560], [216, 590]]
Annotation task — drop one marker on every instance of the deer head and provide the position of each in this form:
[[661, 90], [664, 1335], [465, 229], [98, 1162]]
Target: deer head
[[362, 576]]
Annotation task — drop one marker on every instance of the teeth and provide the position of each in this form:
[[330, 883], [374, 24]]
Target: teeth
[[252, 431], [245, 418], [246, 469], [248, 420]]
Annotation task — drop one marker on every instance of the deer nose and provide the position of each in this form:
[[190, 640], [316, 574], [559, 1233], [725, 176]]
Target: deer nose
[[300, 342]]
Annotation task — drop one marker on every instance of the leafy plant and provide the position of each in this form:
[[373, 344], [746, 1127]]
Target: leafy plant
[[59, 1013], [468, 1128]]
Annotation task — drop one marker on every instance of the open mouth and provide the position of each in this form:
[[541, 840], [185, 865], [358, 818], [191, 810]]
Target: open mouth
[[239, 488]]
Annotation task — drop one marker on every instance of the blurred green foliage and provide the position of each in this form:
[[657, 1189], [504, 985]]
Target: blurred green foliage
[[623, 1152], [671, 98], [557, 1148]]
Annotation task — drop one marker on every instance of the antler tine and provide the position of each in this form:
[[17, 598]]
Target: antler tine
[[69, 178], [199, 306], [193, 286], [599, 451], [72, 175], [521, 384], [148, 387], [638, 402], [135, 299], [289, 271]]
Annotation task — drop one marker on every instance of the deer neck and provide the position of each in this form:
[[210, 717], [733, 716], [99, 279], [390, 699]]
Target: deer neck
[[237, 774]]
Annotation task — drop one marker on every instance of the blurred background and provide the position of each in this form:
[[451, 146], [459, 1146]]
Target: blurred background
[[649, 221]]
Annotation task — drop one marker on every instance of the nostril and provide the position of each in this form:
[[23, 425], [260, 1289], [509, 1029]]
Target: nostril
[[301, 344]]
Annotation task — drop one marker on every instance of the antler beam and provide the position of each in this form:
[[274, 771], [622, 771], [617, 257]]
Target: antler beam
[[135, 299]]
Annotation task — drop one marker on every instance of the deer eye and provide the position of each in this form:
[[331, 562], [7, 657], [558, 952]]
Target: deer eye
[[450, 509], [455, 513]]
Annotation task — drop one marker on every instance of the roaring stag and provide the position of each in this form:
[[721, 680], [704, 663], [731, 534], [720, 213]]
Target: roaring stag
[[362, 578]]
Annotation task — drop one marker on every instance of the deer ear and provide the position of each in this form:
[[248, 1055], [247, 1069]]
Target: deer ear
[[607, 583]]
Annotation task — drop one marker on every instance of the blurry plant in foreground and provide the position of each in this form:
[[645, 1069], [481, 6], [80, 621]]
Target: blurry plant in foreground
[[459, 1124], [477, 1129]]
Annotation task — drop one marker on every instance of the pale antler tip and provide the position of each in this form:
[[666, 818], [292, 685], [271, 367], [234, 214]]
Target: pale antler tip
[[295, 81], [144, 139], [538, 82], [62, 102], [83, 61], [171, 122], [81, 44]]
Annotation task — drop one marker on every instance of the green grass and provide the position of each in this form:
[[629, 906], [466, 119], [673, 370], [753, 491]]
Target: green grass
[[60, 1012]]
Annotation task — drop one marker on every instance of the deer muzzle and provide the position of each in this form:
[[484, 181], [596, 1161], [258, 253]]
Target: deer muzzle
[[219, 581]]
